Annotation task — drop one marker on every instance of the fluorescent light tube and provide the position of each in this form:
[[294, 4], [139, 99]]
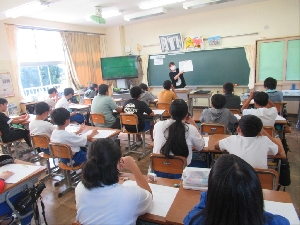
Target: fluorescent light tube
[[145, 14], [111, 13], [26, 9], [196, 3], [157, 3]]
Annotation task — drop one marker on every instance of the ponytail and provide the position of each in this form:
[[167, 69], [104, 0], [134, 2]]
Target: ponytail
[[90, 170]]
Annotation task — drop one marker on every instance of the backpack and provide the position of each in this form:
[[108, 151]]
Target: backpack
[[285, 177]]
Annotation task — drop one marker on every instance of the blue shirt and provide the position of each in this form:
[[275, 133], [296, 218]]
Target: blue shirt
[[270, 218], [275, 96]]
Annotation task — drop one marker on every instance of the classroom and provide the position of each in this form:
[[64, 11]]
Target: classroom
[[243, 26]]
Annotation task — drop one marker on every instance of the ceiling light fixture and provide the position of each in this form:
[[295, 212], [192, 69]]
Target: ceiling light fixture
[[145, 14], [197, 3], [157, 3], [111, 13], [26, 9]]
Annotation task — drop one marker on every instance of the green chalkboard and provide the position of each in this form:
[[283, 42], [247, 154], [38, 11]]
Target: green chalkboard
[[211, 67], [121, 67]]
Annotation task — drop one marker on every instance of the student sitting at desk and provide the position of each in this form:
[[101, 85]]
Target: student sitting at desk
[[135, 106], [64, 103], [92, 91], [177, 136], [146, 94], [234, 196], [232, 101], [248, 145], [265, 109], [99, 197], [39, 125], [270, 86], [61, 117], [218, 114], [6, 216], [52, 98], [8, 134], [167, 96], [104, 104]]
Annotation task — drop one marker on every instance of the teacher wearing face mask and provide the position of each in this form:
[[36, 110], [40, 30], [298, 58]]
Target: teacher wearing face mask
[[176, 76]]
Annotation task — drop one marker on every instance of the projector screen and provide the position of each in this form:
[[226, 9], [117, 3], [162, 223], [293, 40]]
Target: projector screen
[[121, 67]]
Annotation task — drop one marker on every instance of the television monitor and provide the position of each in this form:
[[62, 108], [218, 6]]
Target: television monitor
[[121, 67]]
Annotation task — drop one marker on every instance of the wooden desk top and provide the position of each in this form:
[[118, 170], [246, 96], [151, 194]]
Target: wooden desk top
[[160, 181], [8, 186], [185, 201], [79, 106]]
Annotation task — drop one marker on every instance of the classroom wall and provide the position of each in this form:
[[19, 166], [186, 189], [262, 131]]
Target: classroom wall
[[5, 61], [282, 17]]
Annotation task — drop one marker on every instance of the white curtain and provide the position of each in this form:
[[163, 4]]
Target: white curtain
[[250, 55], [12, 32], [145, 59]]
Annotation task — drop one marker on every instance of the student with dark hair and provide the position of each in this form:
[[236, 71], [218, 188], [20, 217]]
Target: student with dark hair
[[167, 96], [146, 94], [232, 101], [248, 145], [135, 106], [104, 104], [52, 98], [99, 197], [234, 196], [264, 108], [92, 91], [39, 125], [77, 142], [8, 134], [176, 76], [64, 103], [217, 113], [270, 86], [177, 136]]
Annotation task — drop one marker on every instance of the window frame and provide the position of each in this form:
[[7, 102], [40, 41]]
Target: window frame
[[285, 40]]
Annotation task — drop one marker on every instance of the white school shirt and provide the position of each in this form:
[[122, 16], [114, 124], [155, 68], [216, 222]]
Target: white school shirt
[[267, 115], [69, 138], [41, 127], [62, 103], [254, 150], [113, 204], [192, 137], [50, 102]]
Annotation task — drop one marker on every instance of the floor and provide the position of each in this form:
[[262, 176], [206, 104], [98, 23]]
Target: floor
[[63, 210]]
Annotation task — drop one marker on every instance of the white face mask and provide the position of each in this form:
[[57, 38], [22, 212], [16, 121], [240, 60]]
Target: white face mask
[[173, 67]]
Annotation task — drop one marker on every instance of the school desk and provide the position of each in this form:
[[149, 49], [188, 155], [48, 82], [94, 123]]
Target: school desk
[[80, 107], [27, 182], [185, 201], [191, 96], [24, 105]]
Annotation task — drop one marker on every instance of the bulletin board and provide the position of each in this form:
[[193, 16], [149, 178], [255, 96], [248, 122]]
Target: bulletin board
[[6, 86]]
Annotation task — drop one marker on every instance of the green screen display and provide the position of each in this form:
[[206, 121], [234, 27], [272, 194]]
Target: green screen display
[[121, 67]]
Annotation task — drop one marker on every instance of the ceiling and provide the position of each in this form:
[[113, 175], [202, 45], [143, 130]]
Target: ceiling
[[75, 11]]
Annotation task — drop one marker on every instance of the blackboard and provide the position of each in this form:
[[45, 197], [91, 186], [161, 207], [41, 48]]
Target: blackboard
[[211, 67], [120, 67]]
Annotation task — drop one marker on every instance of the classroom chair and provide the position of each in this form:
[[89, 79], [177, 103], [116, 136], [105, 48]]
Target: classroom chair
[[235, 111], [132, 119], [160, 163], [279, 107], [214, 128], [270, 130], [87, 101], [166, 107], [64, 151], [97, 118], [268, 178], [42, 141]]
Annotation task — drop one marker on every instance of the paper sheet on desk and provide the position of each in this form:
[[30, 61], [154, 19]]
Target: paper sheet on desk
[[237, 116], [77, 106], [206, 139], [101, 133], [163, 197], [286, 210], [279, 118], [20, 171]]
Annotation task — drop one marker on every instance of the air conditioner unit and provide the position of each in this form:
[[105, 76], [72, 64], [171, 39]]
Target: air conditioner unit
[[145, 14]]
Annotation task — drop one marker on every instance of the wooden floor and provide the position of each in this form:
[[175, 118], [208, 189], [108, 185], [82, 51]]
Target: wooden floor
[[63, 210]]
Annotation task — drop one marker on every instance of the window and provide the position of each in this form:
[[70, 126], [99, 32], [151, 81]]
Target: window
[[42, 61], [278, 59]]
